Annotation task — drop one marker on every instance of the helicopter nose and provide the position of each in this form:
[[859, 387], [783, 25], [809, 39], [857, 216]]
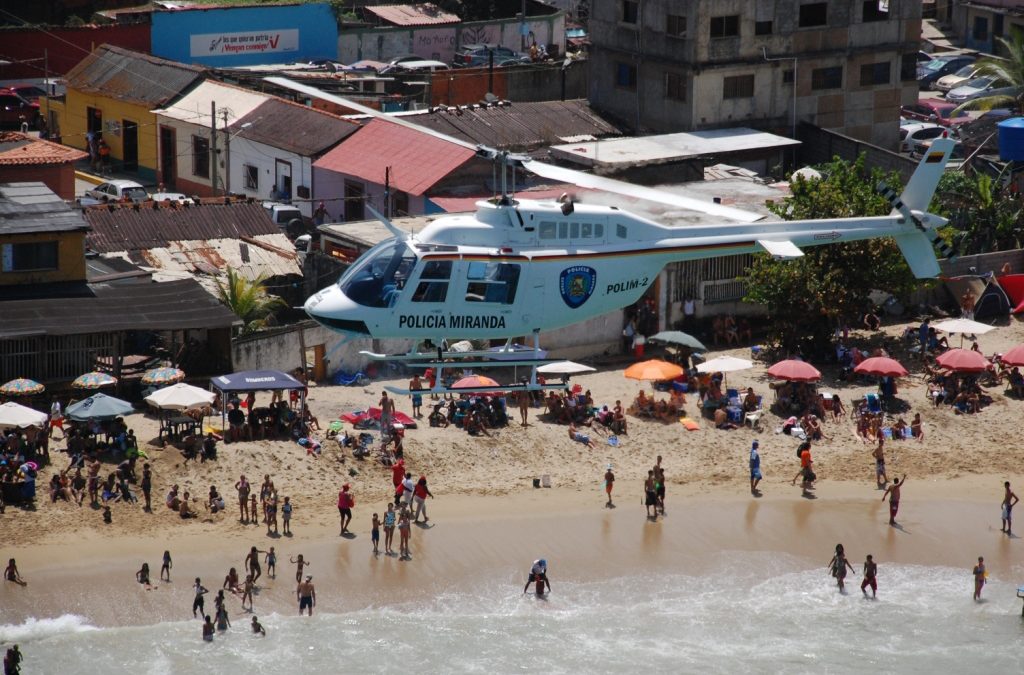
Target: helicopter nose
[[332, 309]]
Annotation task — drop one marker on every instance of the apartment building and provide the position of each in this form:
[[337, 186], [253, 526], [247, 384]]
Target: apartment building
[[667, 65], [979, 22]]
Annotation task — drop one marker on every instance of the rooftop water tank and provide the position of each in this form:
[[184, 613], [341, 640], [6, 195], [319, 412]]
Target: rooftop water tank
[[1011, 139]]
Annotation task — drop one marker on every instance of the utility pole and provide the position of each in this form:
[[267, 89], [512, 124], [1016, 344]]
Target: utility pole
[[387, 191], [213, 146], [227, 154]]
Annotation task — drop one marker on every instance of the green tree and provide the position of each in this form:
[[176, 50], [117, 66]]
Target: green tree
[[984, 215], [249, 300], [808, 297], [1007, 73]]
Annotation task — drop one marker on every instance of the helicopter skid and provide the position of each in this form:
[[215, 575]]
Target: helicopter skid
[[528, 386]]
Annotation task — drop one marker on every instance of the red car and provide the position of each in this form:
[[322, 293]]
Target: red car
[[936, 111], [14, 110]]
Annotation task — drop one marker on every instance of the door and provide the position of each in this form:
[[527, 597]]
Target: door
[[354, 204], [130, 145], [168, 156], [283, 179]]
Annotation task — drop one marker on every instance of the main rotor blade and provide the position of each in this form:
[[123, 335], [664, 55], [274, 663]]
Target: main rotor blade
[[366, 110], [589, 180]]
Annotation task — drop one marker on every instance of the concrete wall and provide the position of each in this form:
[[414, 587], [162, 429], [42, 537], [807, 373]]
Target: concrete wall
[[35, 50], [72, 124], [821, 145], [70, 258], [58, 177]]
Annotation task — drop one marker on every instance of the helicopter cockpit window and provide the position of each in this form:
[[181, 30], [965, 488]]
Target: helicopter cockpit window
[[563, 230], [574, 230], [547, 229], [377, 280], [598, 230], [587, 230], [433, 285], [492, 282]]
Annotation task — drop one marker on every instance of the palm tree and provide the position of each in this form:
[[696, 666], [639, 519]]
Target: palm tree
[[1007, 73], [249, 300]]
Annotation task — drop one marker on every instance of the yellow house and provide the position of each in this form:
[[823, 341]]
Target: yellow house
[[42, 239], [110, 94]]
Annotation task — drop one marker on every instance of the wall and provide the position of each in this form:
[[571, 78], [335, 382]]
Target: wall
[[70, 258], [58, 177], [267, 34], [62, 47], [821, 145], [329, 186], [71, 120], [440, 43]]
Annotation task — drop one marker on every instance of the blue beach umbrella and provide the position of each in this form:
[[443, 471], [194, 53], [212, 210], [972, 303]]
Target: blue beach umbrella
[[21, 387], [99, 407]]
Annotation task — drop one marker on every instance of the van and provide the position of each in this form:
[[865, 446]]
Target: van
[[286, 217]]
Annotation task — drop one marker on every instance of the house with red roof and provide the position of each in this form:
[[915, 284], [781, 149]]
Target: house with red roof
[[27, 159]]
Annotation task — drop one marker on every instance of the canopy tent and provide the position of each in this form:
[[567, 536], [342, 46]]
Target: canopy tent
[[99, 407], [20, 416], [256, 380], [991, 299], [180, 396]]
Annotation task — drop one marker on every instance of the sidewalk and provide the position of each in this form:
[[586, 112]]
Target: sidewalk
[[85, 172]]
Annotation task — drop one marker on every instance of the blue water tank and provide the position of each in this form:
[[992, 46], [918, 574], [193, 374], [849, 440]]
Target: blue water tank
[[1011, 139]]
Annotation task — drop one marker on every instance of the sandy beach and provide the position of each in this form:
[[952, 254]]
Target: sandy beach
[[488, 518]]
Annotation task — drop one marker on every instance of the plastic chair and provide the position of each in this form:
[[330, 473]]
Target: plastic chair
[[874, 405]]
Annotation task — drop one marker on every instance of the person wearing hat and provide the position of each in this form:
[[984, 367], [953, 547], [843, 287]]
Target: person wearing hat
[[609, 482], [755, 469]]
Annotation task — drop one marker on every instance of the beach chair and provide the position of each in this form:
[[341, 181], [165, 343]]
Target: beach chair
[[874, 405], [754, 417]]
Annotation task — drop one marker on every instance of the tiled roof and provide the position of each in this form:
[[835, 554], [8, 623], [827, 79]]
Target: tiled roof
[[417, 160], [422, 14], [140, 227], [19, 148], [32, 207], [294, 127], [131, 76]]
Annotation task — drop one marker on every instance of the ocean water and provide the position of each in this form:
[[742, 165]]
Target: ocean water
[[757, 613]]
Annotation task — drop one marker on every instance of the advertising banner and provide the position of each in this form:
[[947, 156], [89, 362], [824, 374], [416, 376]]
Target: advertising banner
[[246, 43]]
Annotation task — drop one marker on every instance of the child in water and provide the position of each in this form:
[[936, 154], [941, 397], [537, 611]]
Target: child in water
[[375, 533], [166, 567]]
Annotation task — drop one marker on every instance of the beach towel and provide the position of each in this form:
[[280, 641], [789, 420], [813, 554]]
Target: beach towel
[[690, 424]]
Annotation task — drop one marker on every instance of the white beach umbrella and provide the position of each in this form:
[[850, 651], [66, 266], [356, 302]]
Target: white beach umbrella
[[724, 364], [20, 416], [964, 327], [180, 396], [565, 368]]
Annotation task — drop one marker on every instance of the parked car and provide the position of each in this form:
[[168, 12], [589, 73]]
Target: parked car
[[118, 190], [477, 55], [956, 158], [29, 92], [421, 66], [980, 87], [923, 57], [918, 132], [936, 111], [929, 72], [16, 110], [172, 197], [953, 80], [286, 217]]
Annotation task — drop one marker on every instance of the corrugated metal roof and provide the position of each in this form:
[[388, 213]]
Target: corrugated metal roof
[[420, 14], [131, 76], [195, 105], [17, 148], [417, 160], [139, 227], [33, 207], [518, 126], [294, 127]]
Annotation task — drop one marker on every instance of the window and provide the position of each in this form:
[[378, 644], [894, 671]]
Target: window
[[563, 230], [875, 10], [787, 76], [630, 11], [675, 86], [725, 26], [813, 14], [200, 157], [625, 75], [762, 28], [433, 286], [908, 67], [548, 229], [874, 73], [827, 78], [32, 257], [493, 282], [400, 203], [251, 177], [740, 86], [980, 31], [621, 231], [586, 230], [675, 25], [598, 231]]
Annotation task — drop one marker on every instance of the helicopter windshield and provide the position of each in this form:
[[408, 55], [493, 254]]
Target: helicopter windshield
[[378, 279]]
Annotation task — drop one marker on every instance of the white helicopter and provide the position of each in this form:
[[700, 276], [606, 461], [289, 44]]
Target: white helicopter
[[517, 267]]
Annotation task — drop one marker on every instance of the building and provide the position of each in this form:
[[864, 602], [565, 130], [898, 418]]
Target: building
[[42, 240], [978, 23], [26, 159], [667, 66], [111, 93], [265, 146]]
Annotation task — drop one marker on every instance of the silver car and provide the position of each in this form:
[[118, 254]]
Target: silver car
[[980, 87], [118, 190]]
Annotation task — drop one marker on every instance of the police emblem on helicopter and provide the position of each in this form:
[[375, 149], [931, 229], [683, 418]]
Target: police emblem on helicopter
[[577, 284]]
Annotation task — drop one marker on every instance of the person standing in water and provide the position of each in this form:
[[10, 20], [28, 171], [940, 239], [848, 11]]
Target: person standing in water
[[198, 602], [252, 563], [257, 627], [538, 575], [208, 629], [609, 483], [755, 468], [870, 574], [1009, 501], [838, 566], [980, 577], [300, 564], [306, 594], [659, 484], [650, 495], [893, 492], [165, 569]]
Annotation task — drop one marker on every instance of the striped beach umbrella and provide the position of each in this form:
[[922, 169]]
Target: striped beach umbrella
[[93, 380], [22, 387], [163, 376]]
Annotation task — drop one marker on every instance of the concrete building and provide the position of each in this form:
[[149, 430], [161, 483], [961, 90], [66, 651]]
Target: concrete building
[[979, 22], [669, 66], [26, 159]]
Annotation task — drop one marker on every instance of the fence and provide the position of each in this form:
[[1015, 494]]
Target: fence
[[819, 146]]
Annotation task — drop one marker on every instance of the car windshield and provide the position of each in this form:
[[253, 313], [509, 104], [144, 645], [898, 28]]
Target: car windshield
[[966, 71], [979, 82], [135, 194], [378, 278], [935, 65]]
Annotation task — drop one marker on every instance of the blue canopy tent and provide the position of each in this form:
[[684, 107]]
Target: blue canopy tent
[[99, 407], [255, 380]]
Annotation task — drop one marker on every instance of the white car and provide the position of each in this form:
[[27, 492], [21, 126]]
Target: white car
[[949, 82], [118, 190], [915, 133], [172, 197], [956, 158]]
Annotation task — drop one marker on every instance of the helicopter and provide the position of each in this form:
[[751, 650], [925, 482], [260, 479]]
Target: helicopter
[[517, 266]]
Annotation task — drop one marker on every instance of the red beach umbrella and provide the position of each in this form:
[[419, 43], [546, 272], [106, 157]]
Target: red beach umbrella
[[881, 366], [963, 361], [1014, 357], [794, 371]]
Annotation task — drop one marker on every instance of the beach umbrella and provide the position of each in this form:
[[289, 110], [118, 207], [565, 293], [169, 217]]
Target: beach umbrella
[[653, 369], [881, 366], [1014, 357], [93, 380], [99, 407], [964, 327], [20, 416], [678, 337], [163, 376], [475, 382], [724, 364], [180, 396], [565, 368], [963, 361], [794, 371], [22, 387]]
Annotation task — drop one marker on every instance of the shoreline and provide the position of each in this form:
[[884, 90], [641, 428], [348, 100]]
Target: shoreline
[[478, 538]]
